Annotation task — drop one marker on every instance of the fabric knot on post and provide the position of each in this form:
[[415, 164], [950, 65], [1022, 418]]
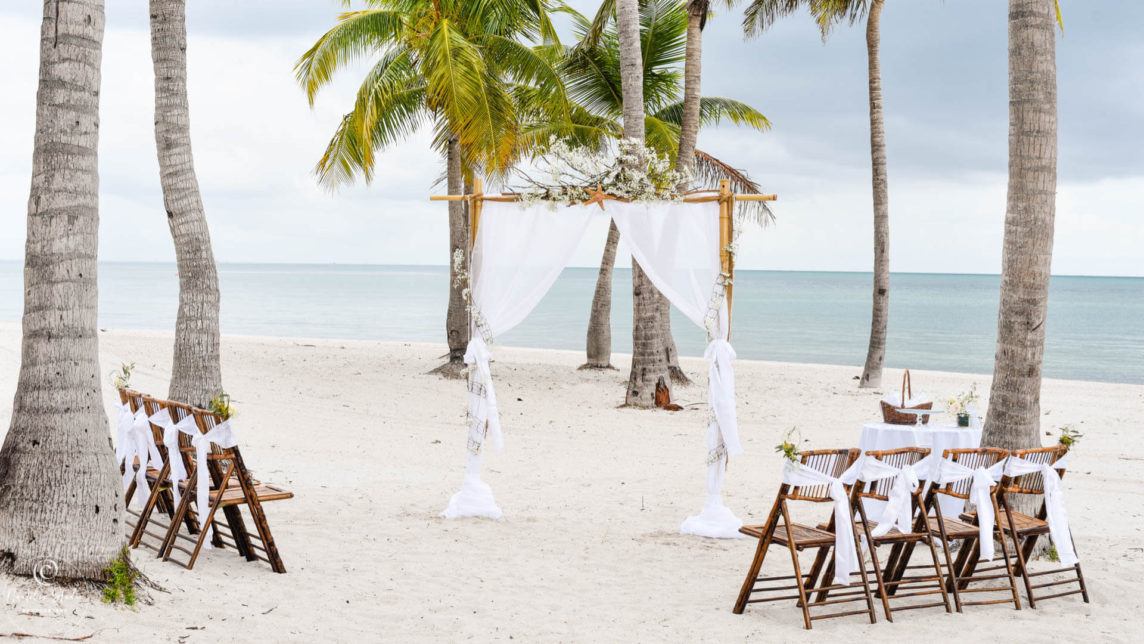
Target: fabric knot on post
[[483, 415]]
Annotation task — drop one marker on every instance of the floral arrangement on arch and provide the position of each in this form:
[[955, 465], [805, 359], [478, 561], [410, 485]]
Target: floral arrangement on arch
[[629, 171]]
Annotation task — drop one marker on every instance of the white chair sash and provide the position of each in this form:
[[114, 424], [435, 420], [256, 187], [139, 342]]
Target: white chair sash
[[482, 397], [140, 444], [1055, 512], [950, 471], [177, 472], [123, 431], [846, 559], [223, 436], [898, 511], [721, 392]]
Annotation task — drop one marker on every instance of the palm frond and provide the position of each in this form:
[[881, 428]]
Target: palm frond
[[357, 34], [714, 109], [708, 171]]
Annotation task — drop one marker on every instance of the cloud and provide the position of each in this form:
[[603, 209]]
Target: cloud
[[944, 75]]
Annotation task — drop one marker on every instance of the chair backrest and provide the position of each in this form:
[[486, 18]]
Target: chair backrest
[[972, 458], [832, 462], [899, 458], [1034, 483], [133, 399]]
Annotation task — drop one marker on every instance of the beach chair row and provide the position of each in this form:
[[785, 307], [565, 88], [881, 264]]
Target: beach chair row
[[993, 479], [188, 476]]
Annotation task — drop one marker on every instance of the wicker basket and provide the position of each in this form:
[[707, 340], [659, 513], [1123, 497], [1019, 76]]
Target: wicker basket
[[890, 413]]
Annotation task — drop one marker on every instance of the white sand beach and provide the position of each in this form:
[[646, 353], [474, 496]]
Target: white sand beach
[[593, 495]]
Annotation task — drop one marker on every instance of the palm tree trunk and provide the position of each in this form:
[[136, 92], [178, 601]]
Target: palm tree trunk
[[196, 375], [457, 317], [1013, 419], [60, 492], [599, 344], [685, 157], [649, 361], [880, 316]]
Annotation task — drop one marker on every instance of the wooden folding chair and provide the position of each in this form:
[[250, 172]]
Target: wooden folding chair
[[135, 401], [798, 537], [231, 487], [161, 493], [963, 571], [891, 581], [1025, 529]]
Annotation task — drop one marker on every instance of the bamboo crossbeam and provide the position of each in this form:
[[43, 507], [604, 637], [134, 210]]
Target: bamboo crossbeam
[[510, 198]]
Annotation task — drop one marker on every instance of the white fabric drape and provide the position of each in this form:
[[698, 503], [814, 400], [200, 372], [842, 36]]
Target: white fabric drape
[[950, 471], [846, 559], [1056, 515], [677, 246], [517, 256], [223, 436], [123, 432], [140, 444]]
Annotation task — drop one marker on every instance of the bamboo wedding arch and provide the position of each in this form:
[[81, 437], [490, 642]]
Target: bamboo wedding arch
[[475, 498], [723, 195]]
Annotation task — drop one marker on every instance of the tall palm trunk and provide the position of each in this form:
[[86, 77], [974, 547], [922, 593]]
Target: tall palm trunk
[[649, 362], [879, 318], [196, 375], [599, 344], [685, 156], [1013, 420], [457, 317], [60, 493]]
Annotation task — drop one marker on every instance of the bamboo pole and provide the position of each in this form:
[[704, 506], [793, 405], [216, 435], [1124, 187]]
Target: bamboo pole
[[726, 235], [475, 202]]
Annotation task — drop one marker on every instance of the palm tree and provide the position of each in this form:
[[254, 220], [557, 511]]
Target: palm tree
[[649, 363], [60, 492], [592, 73], [760, 15], [454, 64], [196, 376], [1013, 419]]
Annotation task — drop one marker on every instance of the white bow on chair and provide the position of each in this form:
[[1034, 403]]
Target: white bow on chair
[[123, 434], [1055, 512], [950, 471], [223, 436], [140, 444], [898, 511], [845, 551]]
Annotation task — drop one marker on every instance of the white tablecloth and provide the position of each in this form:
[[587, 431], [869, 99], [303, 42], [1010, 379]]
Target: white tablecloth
[[880, 436]]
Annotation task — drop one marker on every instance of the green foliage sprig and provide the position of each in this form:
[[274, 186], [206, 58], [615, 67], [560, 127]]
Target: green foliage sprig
[[121, 578], [121, 379], [220, 405], [789, 446], [1069, 436]]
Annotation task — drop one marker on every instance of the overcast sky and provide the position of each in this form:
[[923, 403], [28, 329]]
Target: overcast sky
[[943, 72]]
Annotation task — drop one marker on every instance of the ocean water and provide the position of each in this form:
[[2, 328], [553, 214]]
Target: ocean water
[[1095, 327]]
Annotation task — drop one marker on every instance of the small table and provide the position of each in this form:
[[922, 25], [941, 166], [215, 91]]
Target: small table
[[880, 436]]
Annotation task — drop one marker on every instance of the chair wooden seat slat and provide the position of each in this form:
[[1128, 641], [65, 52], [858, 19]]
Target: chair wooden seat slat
[[780, 530], [1023, 524], [804, 535]]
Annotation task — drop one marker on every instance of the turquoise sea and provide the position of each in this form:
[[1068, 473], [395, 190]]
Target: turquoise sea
[[944, 322]]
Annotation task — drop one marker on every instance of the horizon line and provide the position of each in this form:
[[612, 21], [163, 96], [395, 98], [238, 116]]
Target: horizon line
[[756, 270]]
